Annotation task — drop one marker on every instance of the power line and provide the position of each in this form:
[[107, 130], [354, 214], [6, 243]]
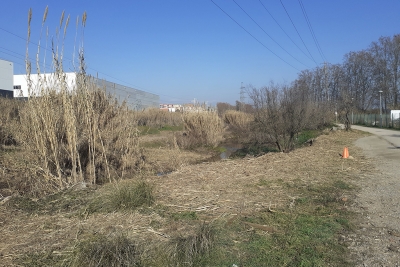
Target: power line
[[10, 55], [312, 31], [21, 56], [70, 60], [254, 36], [268, 34], [127, 99], [297, 32], [242, 96], [283, 29]]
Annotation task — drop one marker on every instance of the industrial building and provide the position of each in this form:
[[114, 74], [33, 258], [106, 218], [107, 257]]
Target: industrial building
[[136, 99], [6, 78]]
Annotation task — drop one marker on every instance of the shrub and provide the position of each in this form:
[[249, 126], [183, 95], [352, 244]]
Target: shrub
[[201, 128], [130, 197], [124, 197], [9, 120], [281, 112], [157, 118], [75, 134], [190, 250], [79, 136], [107, 251], [239, 122], [238, 119]]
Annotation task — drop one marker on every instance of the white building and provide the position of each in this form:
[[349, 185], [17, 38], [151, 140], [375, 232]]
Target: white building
[[46, 81], [136, 99], [6, 78]]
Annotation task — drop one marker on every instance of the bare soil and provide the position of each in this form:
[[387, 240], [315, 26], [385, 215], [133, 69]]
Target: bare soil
[[376, 241]]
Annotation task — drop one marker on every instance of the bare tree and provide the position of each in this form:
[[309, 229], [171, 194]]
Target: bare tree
[[312, 99], [267, 115], [345, 109], [223, 107], [281, 112], [358, 68], [386, 57]]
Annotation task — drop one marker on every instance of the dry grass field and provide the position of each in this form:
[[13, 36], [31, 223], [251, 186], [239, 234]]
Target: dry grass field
[[84, 181], [279, 209]]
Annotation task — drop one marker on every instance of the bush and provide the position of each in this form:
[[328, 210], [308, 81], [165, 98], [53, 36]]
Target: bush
[[124, 196], [9, 120], [306, 135], [131, 197], [74, 134], [190, 250], [79, 136], [158, 118], [201, 128], [239, 122], [106, 251], [282, 112]]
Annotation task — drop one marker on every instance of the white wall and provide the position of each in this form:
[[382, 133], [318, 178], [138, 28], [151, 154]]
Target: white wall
[[136, 99], [6, 75], [395, 114], [38, 86]]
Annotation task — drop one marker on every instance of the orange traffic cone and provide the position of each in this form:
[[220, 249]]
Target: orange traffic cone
[[345, 154]]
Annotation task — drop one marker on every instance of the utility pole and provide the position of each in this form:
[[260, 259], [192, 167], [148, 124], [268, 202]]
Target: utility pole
[[380, 106], [242, 97], [194, 104], [352, 121], [326, 82]]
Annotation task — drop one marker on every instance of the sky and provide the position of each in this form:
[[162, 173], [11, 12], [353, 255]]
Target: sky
[[184, 50]]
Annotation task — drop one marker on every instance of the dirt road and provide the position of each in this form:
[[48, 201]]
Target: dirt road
[[377, 241]]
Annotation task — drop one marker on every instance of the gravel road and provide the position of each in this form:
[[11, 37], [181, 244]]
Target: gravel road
[[377, 240]]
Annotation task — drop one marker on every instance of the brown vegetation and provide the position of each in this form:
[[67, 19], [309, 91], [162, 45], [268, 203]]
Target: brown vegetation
[[9, 112], [359, 78], [282, 112], [201, 128], [237, 119], [73, 135], [237, 198], [157, 118], [65, 143]]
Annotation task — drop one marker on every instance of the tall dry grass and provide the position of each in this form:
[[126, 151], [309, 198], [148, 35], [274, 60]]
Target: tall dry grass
[[190, 249], [10, 109], [106, 251], [158, 118], [74, 133], [201, 128], [238, 120]]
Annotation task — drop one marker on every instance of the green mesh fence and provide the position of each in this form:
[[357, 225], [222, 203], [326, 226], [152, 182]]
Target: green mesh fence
[[375, 120]]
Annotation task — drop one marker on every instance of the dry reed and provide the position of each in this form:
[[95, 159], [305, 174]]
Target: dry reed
[[157, 118], [238, 120], [9, 120], [201, 128], [75, 133]]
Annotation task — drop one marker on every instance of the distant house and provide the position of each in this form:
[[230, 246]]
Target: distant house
[[190, 107], [171, 107], [6, 78]]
